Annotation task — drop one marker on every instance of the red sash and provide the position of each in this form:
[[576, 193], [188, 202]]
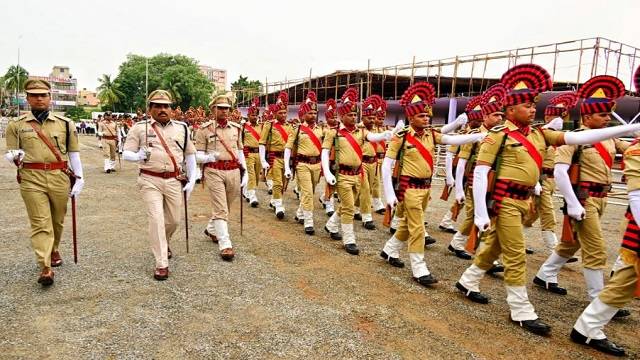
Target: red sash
[[312, 136], [253, 131], [352, 141], [426, 155], [382, 144], [604, 154], [531, 149], [282, 131]]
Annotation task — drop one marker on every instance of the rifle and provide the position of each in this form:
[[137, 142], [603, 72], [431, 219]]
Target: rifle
[[474, 236], [395, 180], [574, 175]]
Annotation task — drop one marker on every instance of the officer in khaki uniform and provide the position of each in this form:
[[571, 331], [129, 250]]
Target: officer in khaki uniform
[[108, 132], [346, 145], [251, 140], [219, 148], [518, 148], [559, 106], [273, 138], [412, 153], [330, 116], [161, 173], [305, 145], [595, 178], [625, 283], [44, 170]]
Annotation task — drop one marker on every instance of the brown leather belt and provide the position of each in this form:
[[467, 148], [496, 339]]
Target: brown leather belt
[[164, 175], [369, 159], [277, 154], [222, 165], [308, 159], [349, 170], [548, 172], [45, 166], [109, 137], [251, 150], [380, 155]]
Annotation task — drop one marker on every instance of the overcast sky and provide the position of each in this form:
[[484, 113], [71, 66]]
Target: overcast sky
[[278, 39]]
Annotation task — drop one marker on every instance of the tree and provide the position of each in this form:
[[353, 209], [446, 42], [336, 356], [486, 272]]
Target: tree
[[108, 92], [77, 113], [15, 78], [177, 74], [246, 89]]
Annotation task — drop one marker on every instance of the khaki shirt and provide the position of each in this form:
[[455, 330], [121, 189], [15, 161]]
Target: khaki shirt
[[549, 157], [369, 149], [211, 136], [20, 135], [248, 139], [470, 150], [632, 167], [592, 166], [277, 142], [108, 128], [306, 147], [173, 134], [413, 164], [517, 164], [345, 154]]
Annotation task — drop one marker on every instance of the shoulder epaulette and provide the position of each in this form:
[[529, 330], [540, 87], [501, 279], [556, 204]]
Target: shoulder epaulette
[[204, 125], [234, 124], [141, 122], [180, 122], [497, 128], [21, 117], [537, 125], [474, 131], [578, 129], [402, 132], [60, 117]]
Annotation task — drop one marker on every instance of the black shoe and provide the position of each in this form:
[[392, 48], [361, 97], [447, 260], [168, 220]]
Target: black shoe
[[495, 269], [271, 206], [299, 220], [603, 345], [369, 225], [334, 236], [429, 240], [324, 206], [426, 280], [460, 253], [381, 211], [280, 215], [392, 230], [552, 287], [352, 249], [309, 230], [536, 326], [446, 229], [270, 192], [255, 204], [529, 251], [107, 171], [391, 260], [357, 217], [572, 260], [330, 213], [474, 296], [622, 313]]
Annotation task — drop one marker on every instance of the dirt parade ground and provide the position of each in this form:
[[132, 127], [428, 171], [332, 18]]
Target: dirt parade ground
[[286, 295]]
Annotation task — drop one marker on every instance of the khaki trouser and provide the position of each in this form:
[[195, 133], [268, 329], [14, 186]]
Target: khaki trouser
[[308, 176], [109, 149], [224, 188], [254, 168], [506, 238], [467, 223], [620, 289], [364, 199], [411, 214], [163, 199], [376, 183], [277, 175], [544, 209], [45, 195], [348, 187], [589, 237]]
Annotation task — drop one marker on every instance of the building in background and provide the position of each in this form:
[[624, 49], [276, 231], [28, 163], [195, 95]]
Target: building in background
[[87, 98], [64, 88], [217, 77]]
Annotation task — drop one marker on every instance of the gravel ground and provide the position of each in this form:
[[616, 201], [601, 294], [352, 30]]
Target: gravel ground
[[287, 295]]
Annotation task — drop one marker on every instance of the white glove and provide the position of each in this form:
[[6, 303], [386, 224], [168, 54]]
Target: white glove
[[399, 126], [460, 196], [387, 182], [480, 183], [448, 166], [262, 151], [11, 154], [287, 158], [595, 135], [537, 189], [555, 124], [326, 169], [462, 139], [331, 180], [460, 121], [77, 188], [287, 172], [377, 137], [189, 188], [204, 158], [76, 167], [561, 175], [100, 133], [245, 179], [634, 203]]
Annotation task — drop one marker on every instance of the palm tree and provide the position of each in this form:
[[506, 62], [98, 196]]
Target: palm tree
[[173, 86], [108, 91], [15, 78]]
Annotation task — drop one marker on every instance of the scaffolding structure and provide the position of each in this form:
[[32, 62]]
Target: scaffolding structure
[[570, 64]]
